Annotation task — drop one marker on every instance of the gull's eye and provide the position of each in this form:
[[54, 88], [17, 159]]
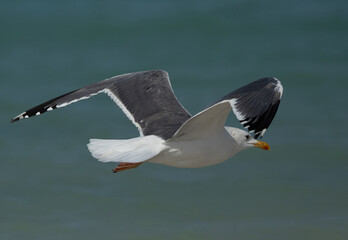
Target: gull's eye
[[247, 137]]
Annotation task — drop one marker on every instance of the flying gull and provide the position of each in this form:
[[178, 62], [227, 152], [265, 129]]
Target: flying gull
[[169, 134]]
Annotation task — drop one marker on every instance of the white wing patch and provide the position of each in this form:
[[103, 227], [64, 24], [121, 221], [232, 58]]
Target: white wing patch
[[239, 115], [124, 109], [73, 101]]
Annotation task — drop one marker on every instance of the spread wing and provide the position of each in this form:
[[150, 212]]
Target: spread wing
[[145, 97], [256, 104]]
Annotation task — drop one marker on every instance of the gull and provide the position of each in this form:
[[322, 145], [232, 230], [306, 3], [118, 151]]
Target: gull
[[169, 134]]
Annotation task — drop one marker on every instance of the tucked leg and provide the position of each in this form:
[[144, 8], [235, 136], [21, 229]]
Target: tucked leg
[[125, 166]]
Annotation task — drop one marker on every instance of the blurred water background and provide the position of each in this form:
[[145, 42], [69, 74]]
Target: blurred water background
[[51, 187]]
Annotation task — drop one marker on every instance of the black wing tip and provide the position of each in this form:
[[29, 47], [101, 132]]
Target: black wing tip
[[257, 118], [19, 117], [35, 111], [252, 130], [14, 120]]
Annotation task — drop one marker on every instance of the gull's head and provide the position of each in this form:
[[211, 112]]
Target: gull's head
[[245, 140]]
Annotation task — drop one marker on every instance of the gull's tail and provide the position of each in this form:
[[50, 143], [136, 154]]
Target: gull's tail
[[130, 150]]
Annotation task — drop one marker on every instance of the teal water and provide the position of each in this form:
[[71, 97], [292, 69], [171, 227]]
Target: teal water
[[51, 188]]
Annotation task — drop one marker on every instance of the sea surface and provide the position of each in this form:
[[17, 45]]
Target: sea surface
[[52, 188]]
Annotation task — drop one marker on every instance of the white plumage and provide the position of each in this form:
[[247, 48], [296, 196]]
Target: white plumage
[[201, 141], [132, 150]]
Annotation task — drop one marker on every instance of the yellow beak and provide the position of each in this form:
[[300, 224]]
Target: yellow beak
[[262, 145]]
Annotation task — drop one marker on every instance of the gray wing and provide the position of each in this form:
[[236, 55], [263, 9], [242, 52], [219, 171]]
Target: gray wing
[[145, 97], [256, 104]]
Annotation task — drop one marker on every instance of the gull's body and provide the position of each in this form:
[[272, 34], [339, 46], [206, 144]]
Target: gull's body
[[169, 135], [200, 152]]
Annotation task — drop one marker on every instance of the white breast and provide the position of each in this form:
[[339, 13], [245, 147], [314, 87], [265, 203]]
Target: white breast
[[198, 153]]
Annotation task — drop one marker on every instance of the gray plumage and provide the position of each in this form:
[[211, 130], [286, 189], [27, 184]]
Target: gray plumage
[[148, 100]]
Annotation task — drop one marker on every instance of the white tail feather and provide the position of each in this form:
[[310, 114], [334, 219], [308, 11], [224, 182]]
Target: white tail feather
[[130, 150]]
